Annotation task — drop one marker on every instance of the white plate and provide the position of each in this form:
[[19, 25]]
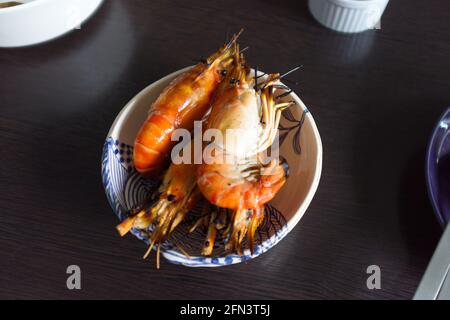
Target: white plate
[[41, 20]]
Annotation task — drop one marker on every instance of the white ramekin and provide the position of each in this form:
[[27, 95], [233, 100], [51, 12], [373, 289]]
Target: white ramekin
[[42, 20], [348, 15]]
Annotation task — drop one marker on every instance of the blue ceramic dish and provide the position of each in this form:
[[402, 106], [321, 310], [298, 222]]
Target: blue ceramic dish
[[125, 188], [438, 169]]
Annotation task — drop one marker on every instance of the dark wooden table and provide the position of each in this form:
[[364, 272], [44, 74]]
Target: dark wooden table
[[374, 96]]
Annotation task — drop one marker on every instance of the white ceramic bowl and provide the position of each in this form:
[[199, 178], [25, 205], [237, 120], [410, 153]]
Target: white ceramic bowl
[[41, 20], [348, 16], [125, 188]]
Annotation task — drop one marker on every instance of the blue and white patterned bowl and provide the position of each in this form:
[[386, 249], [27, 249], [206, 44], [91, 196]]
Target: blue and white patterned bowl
[[125, 189]]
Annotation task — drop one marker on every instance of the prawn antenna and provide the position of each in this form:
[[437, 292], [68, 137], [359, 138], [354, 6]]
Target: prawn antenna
[[233, 39], [291, 71], [245, 49]]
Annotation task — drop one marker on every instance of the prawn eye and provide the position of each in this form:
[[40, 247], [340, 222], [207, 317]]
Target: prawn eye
[[223, 72], [206, 243], [234, 81], [171, 197]]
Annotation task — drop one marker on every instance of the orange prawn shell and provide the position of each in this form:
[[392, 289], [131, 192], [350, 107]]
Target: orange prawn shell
[[186, 99], [235, 193], [221, 183]]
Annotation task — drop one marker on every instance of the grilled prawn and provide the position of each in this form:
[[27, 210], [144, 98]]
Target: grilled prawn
[[186, 99], [236, 178], [177, 194]]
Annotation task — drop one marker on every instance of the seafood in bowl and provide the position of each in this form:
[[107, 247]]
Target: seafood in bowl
[[227, 203]]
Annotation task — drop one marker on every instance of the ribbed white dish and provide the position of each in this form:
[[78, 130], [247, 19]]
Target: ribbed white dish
[[348, 16], [41, 20]]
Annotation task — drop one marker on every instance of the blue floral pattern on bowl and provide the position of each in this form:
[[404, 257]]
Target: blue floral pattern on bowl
[[126, 189]]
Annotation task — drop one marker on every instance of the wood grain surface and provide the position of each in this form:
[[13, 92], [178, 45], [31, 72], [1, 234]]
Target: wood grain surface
[[375, 97]]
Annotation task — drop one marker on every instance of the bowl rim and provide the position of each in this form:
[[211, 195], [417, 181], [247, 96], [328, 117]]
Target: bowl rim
[[27, 5], [124, 113], [430, 158], [356, 4]]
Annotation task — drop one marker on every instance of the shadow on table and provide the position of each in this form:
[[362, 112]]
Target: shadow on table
[[418, 223]]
